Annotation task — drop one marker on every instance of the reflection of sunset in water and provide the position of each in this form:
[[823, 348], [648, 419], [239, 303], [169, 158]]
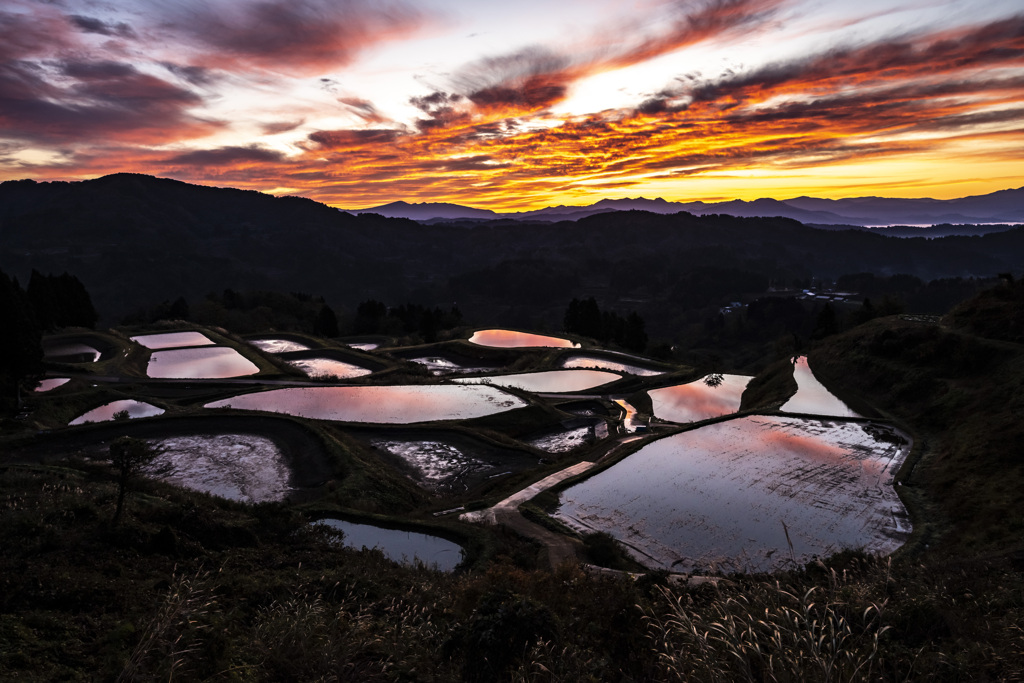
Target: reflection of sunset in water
[[388, 404], [718, 495], [555, 381], [509, 339], [811, 396], [698, 401]]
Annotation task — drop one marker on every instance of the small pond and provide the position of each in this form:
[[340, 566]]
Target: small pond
[[718, 497], [170, 340], [241, 467], [274, 345], [600, 363], [379, 404], [70, 353], [324, 367], [811, 396], [509, 339], [400, 546], [106, 412], [549, 381], [204, 362], [51, 383], [699, 400]]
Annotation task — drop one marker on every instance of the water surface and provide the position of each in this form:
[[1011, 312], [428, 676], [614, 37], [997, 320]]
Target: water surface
[[276, 345], [209, 362], [241, 467], [600, 363], [322, 367], [510, 339], [400, 546], [718, 496], [106, 412], [439, 365], [170, 340], [553, 381], [379, 404], [364, 346], [811, 396], [51, 383], [438, 466], [699, 400]]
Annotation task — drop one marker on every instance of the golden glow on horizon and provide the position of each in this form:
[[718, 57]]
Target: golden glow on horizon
[[705, 106]]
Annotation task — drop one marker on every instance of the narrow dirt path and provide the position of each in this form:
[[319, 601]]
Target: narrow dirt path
[[560, 548]]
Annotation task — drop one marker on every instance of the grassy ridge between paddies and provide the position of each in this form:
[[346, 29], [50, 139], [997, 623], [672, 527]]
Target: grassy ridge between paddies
[[197, 588], [961, 394]]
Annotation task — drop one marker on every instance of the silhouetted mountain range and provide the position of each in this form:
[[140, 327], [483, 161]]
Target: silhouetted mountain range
[[1004, 206], [135, 240]]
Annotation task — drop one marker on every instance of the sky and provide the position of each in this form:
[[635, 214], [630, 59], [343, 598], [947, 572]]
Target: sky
[[519, 105]]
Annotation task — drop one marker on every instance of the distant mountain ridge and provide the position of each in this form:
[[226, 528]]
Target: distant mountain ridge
[[1003, 206]]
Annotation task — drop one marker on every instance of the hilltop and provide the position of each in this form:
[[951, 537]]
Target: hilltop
[[134, 239]]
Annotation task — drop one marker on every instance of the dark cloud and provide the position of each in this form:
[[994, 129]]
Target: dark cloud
[[276, 127], [196, 75], [528, 80], [103, 70], [364, 109], [290, 35], [23, 36], [94, 25], [333, 139], [108, 99], [226, 156]]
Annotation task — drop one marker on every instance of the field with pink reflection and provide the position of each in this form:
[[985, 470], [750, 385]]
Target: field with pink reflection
[[718, 497], [698, 400], [379, 404]]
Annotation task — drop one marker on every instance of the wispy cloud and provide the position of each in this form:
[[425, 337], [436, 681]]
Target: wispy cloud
[[287, 36]]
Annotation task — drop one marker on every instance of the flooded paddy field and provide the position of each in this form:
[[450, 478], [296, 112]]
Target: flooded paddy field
[[135, 409], [170, 340], [699, 400], [51, 383], [547, 381], [243, 467], [446, 462], [201, 362], [811, 396], [439, 365], [277, 345], [242, 457], [601, 363], [722, 497], [322, 366], [395, 404], [510, 339], [397, 545], [570, 438]]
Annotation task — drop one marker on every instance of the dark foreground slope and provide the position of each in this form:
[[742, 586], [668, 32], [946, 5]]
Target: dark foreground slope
[[197, 588], [959, 385], [135, 240]]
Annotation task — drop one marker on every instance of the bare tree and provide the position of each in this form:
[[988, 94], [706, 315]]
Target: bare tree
[[130, 456]]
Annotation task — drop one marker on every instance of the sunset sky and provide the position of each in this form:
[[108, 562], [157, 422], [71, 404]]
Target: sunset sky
[[519, 105]]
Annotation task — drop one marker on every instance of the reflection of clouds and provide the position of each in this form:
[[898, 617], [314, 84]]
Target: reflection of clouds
[[509, 339], [380, 404], [698, 401], [718, 494]]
